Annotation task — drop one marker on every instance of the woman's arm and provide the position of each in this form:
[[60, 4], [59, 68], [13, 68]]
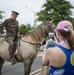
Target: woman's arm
[[56, 41], [45, 60]]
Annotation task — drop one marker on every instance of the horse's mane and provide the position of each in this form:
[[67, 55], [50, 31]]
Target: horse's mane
[[37, 34]]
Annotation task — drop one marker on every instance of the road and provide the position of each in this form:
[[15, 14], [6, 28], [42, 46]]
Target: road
[[18, 69]]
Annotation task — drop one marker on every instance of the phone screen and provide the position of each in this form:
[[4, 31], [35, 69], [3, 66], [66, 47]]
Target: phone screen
[[51, 36]]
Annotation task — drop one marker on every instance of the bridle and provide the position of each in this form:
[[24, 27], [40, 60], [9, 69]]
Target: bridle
[[50, 26]]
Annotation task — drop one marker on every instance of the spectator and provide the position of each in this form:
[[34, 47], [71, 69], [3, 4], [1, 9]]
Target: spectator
[[61, 57]]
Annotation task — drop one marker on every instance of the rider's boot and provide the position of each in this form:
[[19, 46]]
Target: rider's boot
[[12, 56]]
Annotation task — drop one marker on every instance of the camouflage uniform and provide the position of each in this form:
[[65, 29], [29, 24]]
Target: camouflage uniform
[[12, 34]]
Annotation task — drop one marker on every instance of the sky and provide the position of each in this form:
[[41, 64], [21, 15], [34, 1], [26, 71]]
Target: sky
[[26, 13]]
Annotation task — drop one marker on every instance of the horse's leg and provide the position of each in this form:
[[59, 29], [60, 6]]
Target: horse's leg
[[27, 66], [1, 64]]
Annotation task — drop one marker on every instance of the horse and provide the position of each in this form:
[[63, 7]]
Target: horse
[[28, 49]]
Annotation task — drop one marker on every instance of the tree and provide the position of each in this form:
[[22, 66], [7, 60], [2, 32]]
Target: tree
[[28, 26], [57, 10], [24, 28], [1, 16]]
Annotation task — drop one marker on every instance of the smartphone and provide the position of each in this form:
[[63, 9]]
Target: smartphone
[[51, 36]]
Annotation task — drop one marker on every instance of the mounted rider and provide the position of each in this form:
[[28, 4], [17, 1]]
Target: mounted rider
[[12, 34]]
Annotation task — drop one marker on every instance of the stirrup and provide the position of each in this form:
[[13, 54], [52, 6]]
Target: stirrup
[[13, 61]]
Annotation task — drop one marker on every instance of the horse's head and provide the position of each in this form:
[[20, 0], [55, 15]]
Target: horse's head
[[47, 27], [38, 34]]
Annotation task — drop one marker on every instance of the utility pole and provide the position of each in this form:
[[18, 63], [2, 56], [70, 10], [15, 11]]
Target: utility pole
[[34, 22]]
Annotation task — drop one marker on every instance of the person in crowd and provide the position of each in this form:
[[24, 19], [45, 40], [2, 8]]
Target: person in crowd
[[61, 57], [11, 27]]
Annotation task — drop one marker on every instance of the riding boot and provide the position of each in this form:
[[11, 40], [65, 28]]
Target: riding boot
[[12, 56]]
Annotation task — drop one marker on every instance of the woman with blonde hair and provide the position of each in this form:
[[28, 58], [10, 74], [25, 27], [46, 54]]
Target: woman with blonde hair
[[61, 57]]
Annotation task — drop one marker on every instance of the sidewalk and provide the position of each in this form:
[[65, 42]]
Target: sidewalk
[[6, 63], [40, 53]]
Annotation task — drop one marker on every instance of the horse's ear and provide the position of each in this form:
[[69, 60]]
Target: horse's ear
[[47, 22], [51, 21]]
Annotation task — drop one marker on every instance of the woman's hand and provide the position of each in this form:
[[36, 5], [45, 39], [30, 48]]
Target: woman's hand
[[56, 41]]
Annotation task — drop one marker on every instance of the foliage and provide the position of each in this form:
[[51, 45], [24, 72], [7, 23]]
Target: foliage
[[57, 10], [28, 26], [24, 28], [1, 16]]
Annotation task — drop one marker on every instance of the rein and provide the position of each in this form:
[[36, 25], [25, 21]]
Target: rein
[[31, 43]]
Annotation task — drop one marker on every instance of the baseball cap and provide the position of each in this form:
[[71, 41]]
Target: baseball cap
[[62, 24]]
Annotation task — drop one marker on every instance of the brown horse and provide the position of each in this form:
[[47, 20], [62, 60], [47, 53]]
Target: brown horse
[[28, 48]]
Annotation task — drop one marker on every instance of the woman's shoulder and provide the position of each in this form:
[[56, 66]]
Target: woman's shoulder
[[73, 54], [53, 50], [53, 53]]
